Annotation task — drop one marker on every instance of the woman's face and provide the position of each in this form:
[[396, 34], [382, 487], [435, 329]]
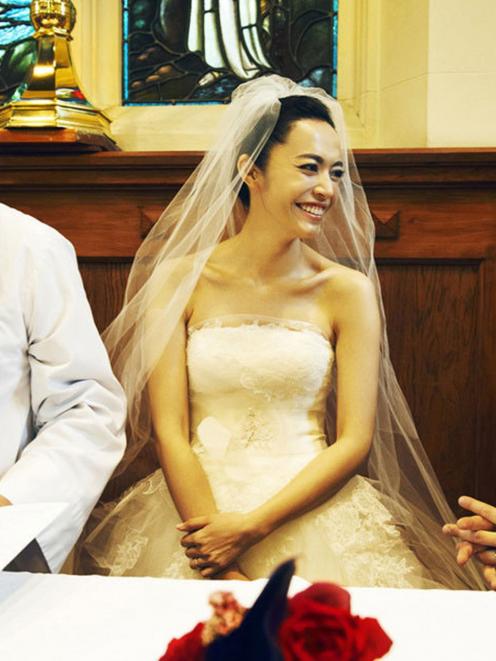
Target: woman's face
[[300, 181]]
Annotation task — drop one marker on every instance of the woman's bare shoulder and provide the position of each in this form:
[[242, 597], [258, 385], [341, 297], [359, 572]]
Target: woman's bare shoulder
[[338, 278]]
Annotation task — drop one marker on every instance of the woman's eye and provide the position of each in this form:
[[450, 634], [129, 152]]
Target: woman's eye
[[311, 167], [337, 174]]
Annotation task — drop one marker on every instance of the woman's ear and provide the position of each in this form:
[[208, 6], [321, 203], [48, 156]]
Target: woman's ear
[[247, 170]]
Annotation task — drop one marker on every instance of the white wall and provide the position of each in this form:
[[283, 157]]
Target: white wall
[[462, 73], [404, 73]]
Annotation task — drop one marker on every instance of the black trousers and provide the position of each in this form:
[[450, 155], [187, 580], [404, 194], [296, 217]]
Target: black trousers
[[30, 559]]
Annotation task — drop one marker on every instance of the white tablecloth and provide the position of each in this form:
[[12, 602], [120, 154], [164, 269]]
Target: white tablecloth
[[91, 618]]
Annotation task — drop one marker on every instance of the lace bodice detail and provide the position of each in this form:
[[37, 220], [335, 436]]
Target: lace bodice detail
[[258, 383]]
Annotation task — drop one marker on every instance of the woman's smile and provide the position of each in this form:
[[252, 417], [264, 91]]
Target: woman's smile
[[313, 211]]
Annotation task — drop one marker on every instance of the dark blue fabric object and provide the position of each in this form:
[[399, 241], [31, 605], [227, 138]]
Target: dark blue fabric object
[[256, 638]]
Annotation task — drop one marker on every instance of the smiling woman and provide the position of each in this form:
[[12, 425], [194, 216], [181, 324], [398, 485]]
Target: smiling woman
[[309, 181], [294, 110], [253, 351]]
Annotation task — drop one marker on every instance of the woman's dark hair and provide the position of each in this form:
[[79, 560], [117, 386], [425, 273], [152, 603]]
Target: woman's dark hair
[[293, 108]]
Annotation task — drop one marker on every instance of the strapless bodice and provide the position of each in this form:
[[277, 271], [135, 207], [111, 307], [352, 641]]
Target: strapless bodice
[[258, 383]]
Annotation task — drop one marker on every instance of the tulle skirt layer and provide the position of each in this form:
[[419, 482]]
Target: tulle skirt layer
[[350, 539]]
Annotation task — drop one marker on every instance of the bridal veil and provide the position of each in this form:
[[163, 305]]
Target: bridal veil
[[171, 259]]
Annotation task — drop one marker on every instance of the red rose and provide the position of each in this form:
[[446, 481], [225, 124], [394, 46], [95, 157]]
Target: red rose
[[320, 627], [314, 631], [325, 593], [371, 641], [187, 648]]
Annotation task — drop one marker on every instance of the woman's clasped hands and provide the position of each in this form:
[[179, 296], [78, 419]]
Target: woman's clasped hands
[[477, 535], [214, 542]]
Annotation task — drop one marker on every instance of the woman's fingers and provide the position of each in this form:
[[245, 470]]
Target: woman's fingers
[[208, 572], [193, 552], [206, 564], [195, 523], [200, 564], [191, 540], [478, 507], [188, 541]]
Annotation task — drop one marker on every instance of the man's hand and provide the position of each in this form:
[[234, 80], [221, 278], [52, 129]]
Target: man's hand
[[478, 529], [215, 541], [4, 502], [489, 574], [477, 535]]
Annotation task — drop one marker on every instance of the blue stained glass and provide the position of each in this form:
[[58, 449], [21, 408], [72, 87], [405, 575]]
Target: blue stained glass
[[125, 49], [187, 51], [17, 47], [15, 23], [334, 89]]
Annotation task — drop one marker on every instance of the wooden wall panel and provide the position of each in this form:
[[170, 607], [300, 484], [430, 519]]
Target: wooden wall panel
[[105, 282], [485, 477], [435, 212], [432, 312]]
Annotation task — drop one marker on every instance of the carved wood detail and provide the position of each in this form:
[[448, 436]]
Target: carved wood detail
[[386, 228]]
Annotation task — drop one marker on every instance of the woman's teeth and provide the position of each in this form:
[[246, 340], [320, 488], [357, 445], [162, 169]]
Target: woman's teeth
[[313, 209]]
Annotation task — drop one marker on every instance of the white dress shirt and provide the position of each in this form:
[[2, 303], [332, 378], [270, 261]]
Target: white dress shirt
[[61, 409]]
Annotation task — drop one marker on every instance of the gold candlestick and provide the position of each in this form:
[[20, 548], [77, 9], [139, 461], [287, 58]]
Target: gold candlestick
[[53, 98]]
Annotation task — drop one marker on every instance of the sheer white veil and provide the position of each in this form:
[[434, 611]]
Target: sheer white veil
[[171, 259]]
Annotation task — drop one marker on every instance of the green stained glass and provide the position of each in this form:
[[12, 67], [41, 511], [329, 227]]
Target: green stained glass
[[17, 47], [200, 50]]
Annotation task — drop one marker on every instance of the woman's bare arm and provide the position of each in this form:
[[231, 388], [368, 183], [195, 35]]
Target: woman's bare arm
[[185, 477], [168, 394], [357, 329]]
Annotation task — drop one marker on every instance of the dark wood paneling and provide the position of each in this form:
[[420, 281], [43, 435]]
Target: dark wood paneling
[[435, 211], [485, 476], [105, 283], [433, 315]]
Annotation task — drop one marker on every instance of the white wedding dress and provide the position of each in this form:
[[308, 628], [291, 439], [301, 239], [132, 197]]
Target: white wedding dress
[[258, 389]]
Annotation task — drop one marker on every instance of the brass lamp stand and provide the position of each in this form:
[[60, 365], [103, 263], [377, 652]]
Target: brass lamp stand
[[52, 113]]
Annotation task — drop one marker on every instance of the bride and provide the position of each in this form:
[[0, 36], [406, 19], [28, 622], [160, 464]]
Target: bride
[[252, 347]]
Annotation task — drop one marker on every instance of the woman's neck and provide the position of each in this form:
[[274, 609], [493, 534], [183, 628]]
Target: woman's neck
[[262, 253]]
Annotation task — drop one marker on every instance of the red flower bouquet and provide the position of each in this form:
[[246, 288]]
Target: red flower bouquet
[[320, 627], [315, 625], [189, 647]]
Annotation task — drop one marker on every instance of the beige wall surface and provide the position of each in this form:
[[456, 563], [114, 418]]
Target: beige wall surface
[[404, 47], [462, 73], [411, 73]]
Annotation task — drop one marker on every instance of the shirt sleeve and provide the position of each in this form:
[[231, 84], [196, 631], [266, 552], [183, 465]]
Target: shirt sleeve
[[78, 406]]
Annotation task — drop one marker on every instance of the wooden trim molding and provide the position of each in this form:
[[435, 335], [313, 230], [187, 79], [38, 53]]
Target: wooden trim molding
[[147, 180], [398, 167]]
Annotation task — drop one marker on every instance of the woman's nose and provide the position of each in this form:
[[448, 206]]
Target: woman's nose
[[324, 188]]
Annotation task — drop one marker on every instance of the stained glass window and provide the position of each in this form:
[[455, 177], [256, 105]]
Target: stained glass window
[[17, 47], [200, 50]]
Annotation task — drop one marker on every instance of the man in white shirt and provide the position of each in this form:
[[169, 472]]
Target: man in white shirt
[[61, 409]]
